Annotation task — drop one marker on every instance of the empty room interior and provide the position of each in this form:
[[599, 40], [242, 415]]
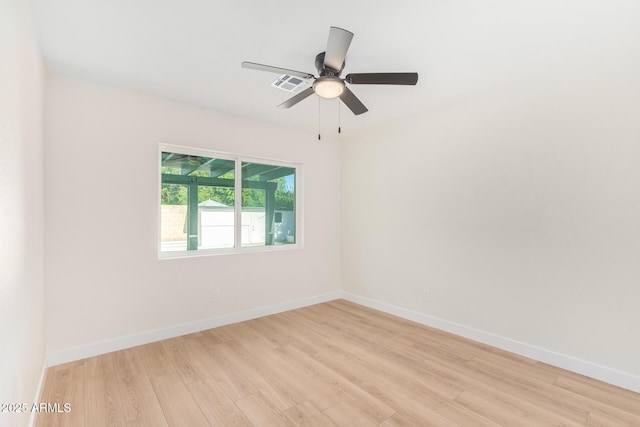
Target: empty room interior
[[346, 213]]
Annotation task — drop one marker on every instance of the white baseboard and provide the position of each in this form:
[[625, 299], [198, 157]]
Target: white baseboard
[[38, 395], [593, 370], [120, 343]]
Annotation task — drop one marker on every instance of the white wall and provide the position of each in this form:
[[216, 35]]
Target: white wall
[[518, 210], [21, 210], [102, 149]]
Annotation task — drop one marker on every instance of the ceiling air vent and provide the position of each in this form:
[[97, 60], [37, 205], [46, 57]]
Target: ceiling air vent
[[291, 83]]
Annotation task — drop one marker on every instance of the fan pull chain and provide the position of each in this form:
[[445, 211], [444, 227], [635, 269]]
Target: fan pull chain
[[318, 118], [339, 120]]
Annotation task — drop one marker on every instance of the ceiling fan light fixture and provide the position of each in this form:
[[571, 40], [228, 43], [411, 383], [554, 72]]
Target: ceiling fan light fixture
[[328, 87]]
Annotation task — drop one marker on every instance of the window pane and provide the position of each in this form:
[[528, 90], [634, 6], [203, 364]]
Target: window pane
[[197, 202], [253, 217], [268, 204], [216, 217], [173, 217]]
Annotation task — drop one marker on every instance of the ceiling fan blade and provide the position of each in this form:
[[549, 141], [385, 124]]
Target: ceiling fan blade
[[297, 98], [278, 70], [337, 47], [353, 102], [382, 78]]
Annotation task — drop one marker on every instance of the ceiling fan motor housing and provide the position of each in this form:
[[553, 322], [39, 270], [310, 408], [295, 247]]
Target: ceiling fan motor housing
[[326, 71]]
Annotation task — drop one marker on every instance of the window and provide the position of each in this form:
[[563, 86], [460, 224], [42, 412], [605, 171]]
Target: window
[[218, 203]]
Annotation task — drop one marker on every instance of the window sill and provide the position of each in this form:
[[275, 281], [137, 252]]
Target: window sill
[[227, 251]]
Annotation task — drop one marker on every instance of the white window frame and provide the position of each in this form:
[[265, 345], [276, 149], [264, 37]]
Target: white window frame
[[238, 159]]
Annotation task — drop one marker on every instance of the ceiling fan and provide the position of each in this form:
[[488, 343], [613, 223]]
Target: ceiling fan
[[329, 84]]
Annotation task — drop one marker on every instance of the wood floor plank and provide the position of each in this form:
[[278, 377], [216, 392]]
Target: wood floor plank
[[155, 361], [293, 376], [629, 402], [343, 414], [534, 389], [103, 404], [463, 416], [261, 412], [590, 382], [335, 363], [601, 419], [216, 405], [183, 360], [424, 337], [332, 381], [411, 397], [524, 367], [306, 414], [274, 387], [508, 410], [217, 335], [128, 363], [219, 367], [321, 389], [67, 386], [311, 337], [400, 419], [177, 403], [268, 329], [140, 404], [238, 332], [356, 392], [392, 360], [412, 400]]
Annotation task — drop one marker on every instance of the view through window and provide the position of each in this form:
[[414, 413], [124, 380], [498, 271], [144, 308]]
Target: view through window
[[199, 210]]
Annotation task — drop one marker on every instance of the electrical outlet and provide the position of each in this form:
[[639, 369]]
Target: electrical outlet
[[215, 295], [426, 295]]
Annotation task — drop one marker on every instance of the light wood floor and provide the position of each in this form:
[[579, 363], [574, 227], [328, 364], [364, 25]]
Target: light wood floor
[[330, 364]]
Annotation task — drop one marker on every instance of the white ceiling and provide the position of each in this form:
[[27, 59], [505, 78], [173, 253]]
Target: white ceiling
[[191, 50]]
